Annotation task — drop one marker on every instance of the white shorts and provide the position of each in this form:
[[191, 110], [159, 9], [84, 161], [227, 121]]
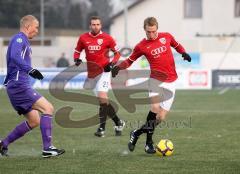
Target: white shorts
[[100, 83], [165, 90]]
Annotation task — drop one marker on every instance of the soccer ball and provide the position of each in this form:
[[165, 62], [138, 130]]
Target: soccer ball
[[164, 148]]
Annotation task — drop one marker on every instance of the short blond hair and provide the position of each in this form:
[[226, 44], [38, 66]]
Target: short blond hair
[[27, 20], [150, 21]]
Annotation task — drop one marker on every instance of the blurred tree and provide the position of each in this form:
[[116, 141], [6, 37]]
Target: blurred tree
[[75, 18], [55, 13], [11, 11], [102, 8], [58, 13]]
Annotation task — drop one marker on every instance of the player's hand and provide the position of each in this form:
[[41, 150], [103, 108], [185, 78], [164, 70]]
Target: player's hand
[[115, 71], [187, 57], [36, 74], [108, 67], [77, 62]]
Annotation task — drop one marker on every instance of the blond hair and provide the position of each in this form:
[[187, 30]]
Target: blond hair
[[150, 21], [27, 20]]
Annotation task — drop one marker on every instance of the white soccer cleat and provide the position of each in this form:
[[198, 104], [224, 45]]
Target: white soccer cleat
[[119, 129], [52, 151]]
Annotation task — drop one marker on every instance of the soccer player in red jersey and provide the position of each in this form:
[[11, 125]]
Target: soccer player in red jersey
[[157, 50], [97, 45]]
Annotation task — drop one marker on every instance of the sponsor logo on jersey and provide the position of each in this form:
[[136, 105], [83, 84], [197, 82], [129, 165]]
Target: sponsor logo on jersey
[[158, 50], [19, 40], [163, 40], [94, 47], [100, 41]]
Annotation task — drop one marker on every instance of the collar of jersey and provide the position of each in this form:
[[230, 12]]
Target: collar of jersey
[[95, 35], [24, 35]]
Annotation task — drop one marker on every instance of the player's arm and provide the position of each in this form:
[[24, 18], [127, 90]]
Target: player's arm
[[115, 49], [111, 64], [116, 57], [77, 52], [17, 53], [180, 49], [128, 62]]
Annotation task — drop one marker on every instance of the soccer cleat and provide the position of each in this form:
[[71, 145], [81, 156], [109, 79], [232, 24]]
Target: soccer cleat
[[52, 151], [149, 148], [3, 150], [132, 141], [100, 132], [119, 129]]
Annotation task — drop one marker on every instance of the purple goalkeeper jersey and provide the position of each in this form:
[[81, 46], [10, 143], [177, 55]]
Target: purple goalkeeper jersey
[[18, 60]]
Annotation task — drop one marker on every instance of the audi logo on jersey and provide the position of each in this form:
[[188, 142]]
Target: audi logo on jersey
[[94, 47], [159, 50]]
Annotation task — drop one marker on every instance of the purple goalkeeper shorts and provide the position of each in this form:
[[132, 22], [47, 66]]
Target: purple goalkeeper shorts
[[22, 97]]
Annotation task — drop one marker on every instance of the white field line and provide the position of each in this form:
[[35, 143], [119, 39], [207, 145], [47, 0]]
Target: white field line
[[205, 111], [224, 90]]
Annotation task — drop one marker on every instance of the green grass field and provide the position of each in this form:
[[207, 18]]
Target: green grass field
[[203, 125]]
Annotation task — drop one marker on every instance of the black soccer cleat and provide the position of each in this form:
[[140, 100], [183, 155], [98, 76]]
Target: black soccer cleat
[[3, 150], [52, 151], [100, 132], [149, 148], [132, 141], [119, 129]]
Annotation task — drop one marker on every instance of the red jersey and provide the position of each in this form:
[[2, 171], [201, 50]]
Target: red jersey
[[159, 55], [97, 49]]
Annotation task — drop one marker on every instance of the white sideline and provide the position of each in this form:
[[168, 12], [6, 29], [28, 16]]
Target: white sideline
[[224, 90], [205, 111]]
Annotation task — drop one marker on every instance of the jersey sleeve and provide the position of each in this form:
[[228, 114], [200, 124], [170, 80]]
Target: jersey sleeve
[[113, 46], [17, 52], [176, 45], [135, 54], [115, 49], [133, 57], [78, 48]]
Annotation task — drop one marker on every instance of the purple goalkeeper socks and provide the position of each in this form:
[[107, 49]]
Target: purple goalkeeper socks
[[46, 130], [19, 131]]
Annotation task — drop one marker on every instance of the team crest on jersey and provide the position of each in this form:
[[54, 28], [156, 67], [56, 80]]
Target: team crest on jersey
[[163, 40], [100, 41], [19, 40]]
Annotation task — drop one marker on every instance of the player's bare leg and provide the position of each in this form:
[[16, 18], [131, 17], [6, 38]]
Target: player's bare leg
[[103, 97], [106, 109], [162, 114], [46, 108], [33, 118]]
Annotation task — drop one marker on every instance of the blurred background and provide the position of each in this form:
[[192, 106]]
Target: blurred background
[[203, 123], [208, 29]]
